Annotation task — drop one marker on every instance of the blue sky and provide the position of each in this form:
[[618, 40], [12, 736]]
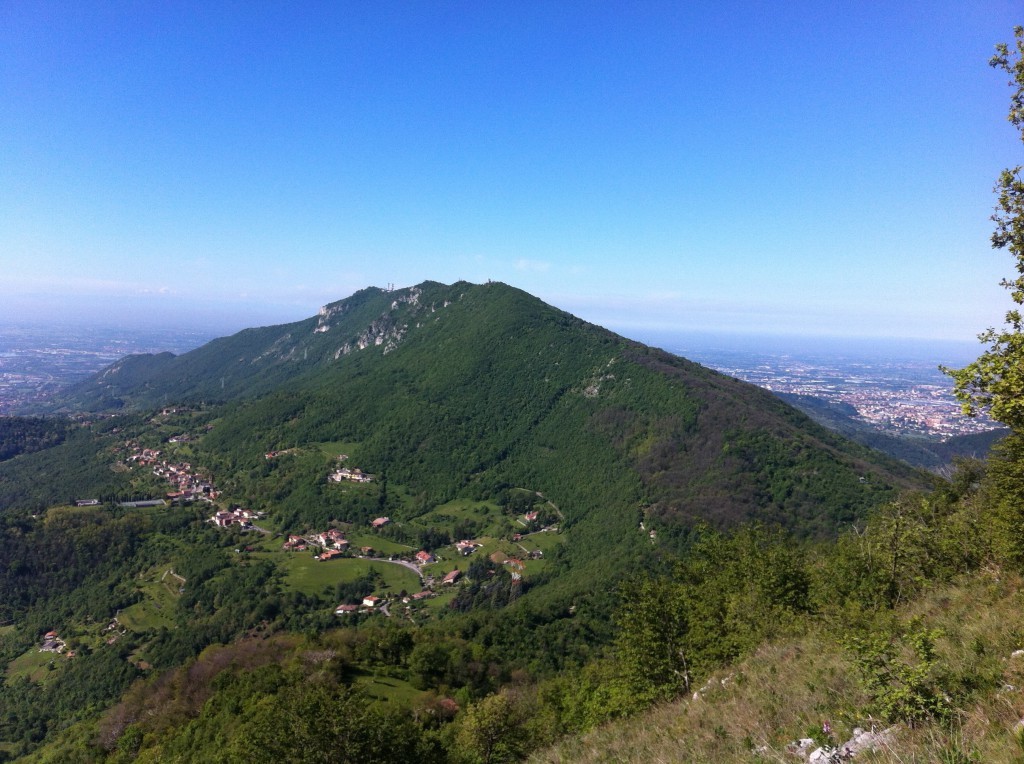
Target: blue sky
[[821, 168]]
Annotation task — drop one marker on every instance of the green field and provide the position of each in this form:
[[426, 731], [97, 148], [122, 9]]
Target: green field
[[544, 541], [33, 665], [181, 450], [489, 544], [160, 594], [386, 688], [379, 543], [334, 448], [490, 518], [440, 602], [309, 576]]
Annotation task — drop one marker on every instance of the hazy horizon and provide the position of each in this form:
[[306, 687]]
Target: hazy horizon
[[678, 341]]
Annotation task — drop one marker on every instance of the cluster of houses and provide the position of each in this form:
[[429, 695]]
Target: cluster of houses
[[189, 485], [239, 517], [332, 539], [351, 475], [142, 456], [332, 544], [52, 643], [373, 603], [295, 544]]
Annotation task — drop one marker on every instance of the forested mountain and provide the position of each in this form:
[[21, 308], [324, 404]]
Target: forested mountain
[[564, 460], [450, 389]]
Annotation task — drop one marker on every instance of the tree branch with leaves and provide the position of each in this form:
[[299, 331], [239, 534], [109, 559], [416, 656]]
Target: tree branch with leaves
[[995, 381]]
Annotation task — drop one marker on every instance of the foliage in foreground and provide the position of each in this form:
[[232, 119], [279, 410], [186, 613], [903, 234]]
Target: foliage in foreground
[[788, 689]]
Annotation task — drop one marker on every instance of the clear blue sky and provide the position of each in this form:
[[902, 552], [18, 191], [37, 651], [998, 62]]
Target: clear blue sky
[[800, 167]]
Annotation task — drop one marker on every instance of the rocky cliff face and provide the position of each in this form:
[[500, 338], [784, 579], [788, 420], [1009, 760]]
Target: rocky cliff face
[[407, 310]]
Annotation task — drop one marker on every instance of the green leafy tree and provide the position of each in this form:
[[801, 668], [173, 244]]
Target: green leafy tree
[[490, 731], [652, 644], [729, 594], [995, 381], [316, 722], [901, 672]]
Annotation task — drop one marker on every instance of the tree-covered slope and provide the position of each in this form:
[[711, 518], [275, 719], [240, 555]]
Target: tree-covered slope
[[459, 390], [258, 360], [469, 392], [444, 386], [25, 435]]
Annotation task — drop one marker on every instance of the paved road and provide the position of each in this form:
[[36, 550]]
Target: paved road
[[415, 569]]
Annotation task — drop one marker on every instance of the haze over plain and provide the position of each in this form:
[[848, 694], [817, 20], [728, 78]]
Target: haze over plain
[[742, 167]]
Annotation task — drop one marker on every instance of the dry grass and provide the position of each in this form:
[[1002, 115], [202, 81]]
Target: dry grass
[[789, 688]]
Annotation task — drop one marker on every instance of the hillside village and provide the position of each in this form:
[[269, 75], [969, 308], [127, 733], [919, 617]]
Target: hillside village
[[188, 484], [438, 569]]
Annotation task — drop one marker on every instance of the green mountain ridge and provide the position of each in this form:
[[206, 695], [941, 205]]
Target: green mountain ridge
[[450, 389], [257, 360]]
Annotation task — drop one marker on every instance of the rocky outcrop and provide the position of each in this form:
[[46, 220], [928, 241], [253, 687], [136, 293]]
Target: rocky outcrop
[[862, 741]]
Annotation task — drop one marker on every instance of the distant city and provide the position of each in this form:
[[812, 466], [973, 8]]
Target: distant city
[[35, 361], [899, 396], [894, 392]]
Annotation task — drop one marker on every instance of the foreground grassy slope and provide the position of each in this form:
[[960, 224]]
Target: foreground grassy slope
[[788, 689]]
